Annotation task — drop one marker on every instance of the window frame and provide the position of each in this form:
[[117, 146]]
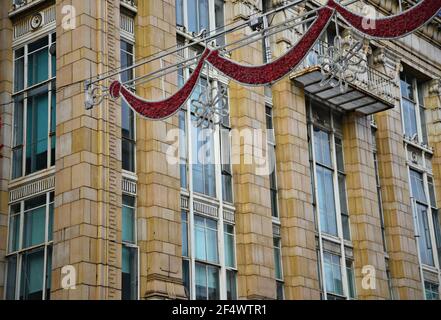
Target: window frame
[[21, 251], [132, 142], [24, 94]]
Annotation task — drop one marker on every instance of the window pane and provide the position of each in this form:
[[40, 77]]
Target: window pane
[[192, 15], [200, 239], [37, 131], [406, 85], [351, 279], [213, 282], [48, 273], [14, 228], [11, 278], [212, 255], [204, 18], [184, 232], [180, 12], [53, 123], [129, 274], [229, 247], [325, 190], [339, 155], [32, 273], [17, 157], [410, 126], [201, 282], [333, 273], [219, 17], [424, 241], [34, 227], [183, 148], [19, 74], [128, 219], [431, 290], [186, 276], [423, 125], [322, 147], [227, 188], [432, 192], [417, 186], [231, 285], [38, 61], [51, 222], [277, 259], [279, 293]]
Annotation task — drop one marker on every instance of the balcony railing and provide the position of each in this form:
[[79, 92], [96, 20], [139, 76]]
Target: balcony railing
[[371, 81]]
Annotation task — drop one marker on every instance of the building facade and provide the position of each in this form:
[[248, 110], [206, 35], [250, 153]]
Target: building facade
[[340, 199]]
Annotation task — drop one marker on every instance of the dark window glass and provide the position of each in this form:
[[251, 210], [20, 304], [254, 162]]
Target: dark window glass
[[129, 290]]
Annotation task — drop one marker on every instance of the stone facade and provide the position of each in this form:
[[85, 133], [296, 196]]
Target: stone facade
[[87, 230]]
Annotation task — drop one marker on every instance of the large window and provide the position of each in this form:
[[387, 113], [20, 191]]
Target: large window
[[431, 290], [29, 252], [413, 110], [129, 250], [33, 145], [278, 267], [272, 164], [195, 16], [334, 281], [127, 114], [207, 258]]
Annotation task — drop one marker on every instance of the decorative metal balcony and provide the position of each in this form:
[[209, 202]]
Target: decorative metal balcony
[[368, 92]]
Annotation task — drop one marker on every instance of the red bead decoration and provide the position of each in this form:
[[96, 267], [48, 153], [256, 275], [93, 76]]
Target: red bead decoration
[[160, 109], [393, 26], [271, 72]]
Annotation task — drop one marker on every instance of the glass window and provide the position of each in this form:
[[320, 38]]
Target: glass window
[[207, 282], [127, 114], [333, 273], [227, 174], [129, 284], [431, 290], [38, 61], [26, 255], [328, 221], [17, 149], [278, 258], [183, 148], [206, 239], [36, 100], [351, 279], [231, 285], [424, 240], [203, 160], [184, 233], [322, 147], [410, 122], [219, 17], [344, 207], [279, 290], [417, 183], [230, 260], [180, 13], [32, 275], [186, 276], [37, 130], [128, 219]]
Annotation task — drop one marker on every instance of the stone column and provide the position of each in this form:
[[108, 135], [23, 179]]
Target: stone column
[[158, 203], [254, 238], [87, 220], [299, 254], [363, 205], [5, 129], [432, 102], [398, 219]]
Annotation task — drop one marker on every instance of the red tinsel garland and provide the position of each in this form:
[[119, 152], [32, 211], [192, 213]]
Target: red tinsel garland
[[271, 72], [393, 26], [390, 27], [160, 109]]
